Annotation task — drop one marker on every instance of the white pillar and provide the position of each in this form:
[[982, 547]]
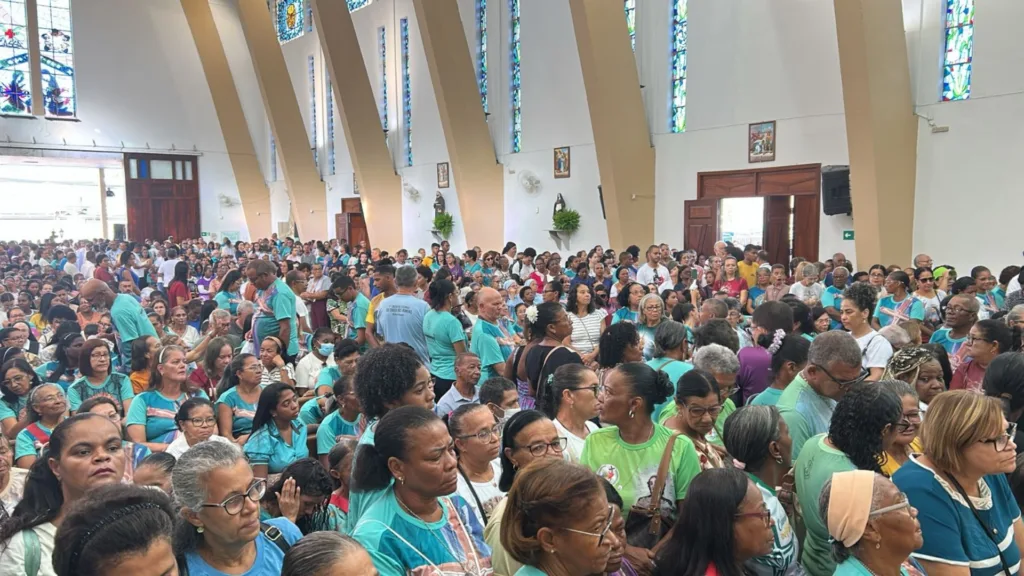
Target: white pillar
[[103, 204]]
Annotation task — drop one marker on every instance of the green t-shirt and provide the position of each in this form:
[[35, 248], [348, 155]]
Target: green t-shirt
[[768, 397], [806, 412], [442, 331], [633, 468], [715, 436], [815, 466]]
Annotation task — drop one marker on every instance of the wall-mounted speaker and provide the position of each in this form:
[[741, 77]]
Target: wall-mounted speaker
[[835, 190]]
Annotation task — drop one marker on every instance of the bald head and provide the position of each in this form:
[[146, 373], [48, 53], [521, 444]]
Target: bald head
[[489, 304], [96, 291]]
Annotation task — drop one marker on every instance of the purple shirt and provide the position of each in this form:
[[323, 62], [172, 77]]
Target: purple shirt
[[755, 371]]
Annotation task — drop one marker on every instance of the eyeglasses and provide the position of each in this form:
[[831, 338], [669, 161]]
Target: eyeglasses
[[595, 388], [972, 339], [845, 383], [926, 279], [542, 448], [19, 379], [904, 503], [700, 411], [957, 309], [254, 368], [764, 514], [1003, 441], [99, 355], [234, 504], [600, 535], [201, 422], [484, 435]]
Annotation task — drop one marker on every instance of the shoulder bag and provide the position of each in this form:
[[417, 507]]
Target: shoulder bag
[[645, 525]]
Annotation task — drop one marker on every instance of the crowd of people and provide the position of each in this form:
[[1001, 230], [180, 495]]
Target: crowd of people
[[314, 408]]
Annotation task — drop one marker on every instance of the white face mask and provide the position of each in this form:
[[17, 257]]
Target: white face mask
[[510, 412]]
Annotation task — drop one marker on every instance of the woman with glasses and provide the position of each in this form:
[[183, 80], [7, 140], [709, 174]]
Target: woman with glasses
[[558, 521], [98, 379], [237, 395], [47, 407], [629, 302], [986, 340], [906, 441], [195, 419], [278, 437], [416, 527], [723, 526], [526, 437], [219, 531], [343, 418], [18, 380], [698, 405], [150, 419], [721, 363], [576, 396], [632, 448], [931, 298], [652, 314], [856, 309], [873, 526], [863, 428], [970, 520], [477, 445]]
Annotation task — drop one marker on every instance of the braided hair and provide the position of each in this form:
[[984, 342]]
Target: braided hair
[[907, 362]]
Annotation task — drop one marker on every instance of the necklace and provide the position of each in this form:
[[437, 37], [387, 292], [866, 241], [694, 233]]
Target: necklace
[[461, 559]]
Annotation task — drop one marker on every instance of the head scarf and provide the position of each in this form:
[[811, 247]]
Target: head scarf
[[849, 505]]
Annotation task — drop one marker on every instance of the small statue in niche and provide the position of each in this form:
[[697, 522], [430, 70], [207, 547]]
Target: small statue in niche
[[439, 204], [559, 205]]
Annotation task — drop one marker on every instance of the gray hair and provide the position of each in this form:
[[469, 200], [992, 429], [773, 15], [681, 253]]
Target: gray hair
[[641, 318], [262, 267], [839, 551], [747, 433], [720, 309], [840, 268], [245, 307], [732, 304], [716, 359], [809, 270], [318, 552], [896, 336], [970, 302], [669, 335], [405, 277], [193, 467], [834, 347], [899, 388], [1016, 314], [220, 313]]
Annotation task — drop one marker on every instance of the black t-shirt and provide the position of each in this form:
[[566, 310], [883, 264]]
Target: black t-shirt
[[537, 371]]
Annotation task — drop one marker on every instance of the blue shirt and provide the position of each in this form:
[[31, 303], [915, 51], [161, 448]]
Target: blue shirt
[[952, 535], [130, 321], [491, 345], [399, 318], [266, 447], [806, 412], [274, 304], [952, 345], [117, 387], [332, 427], [832, 297], [442, 330], [269, 557], [360, 502], [310, 413], [15, 410], [156, 412], [357, 317], [228, 301], [327, 377], [675, 370], [888, 310], [28, 444], [242, 412]]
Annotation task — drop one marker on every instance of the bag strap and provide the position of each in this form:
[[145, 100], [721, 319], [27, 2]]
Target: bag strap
[[275, 536], [984, 527], [476, 497], [659, 482], [33, 554]]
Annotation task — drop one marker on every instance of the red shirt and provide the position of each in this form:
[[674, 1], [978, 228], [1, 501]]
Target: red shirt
[[733, 287], [177, 290]]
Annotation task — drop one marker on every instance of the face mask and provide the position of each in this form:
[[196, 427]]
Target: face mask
[[509, 412], [326, 349]]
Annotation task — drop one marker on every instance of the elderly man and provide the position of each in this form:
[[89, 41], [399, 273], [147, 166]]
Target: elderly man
[[237, 328], [275, 307], [833, 367], [220, 325], [400, 317], [489, 341], [832, 297], [922, 261], [961, 314], [838, 261], [129, 319], [807, 289]]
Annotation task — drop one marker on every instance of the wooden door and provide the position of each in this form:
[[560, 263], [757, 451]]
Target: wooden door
[[341, 227], [776, 228], [806, 221], [700, 225], [162, 196], [357, 230]]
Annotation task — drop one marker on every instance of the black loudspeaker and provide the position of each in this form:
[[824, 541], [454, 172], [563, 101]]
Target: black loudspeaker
[[835, 190]]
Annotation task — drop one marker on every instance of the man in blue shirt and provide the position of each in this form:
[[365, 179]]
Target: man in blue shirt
[[126, 314], [400, 317], [275, 306], [489, 342]]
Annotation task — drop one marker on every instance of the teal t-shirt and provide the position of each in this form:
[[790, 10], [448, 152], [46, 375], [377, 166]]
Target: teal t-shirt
[[31, 440], [491, 345], [832, 297], [357, 312], [156, 412], [815, 466], [228, 301], [266, 447], [442, 331], [360, 502], [269, 555], [632, 468], [274, 304], [242, 412], [117, 387], [14, 410], [310, 413], [675, 370], [889, 310], [130, 319], [952, 345], [327, 377], [332, 427], [806, 412], [768, 397]]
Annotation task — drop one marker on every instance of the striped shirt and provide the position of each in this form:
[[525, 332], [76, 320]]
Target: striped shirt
[[586, 331]]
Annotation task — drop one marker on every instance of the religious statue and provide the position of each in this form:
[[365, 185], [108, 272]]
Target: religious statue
[[439, 204], [559, 205]]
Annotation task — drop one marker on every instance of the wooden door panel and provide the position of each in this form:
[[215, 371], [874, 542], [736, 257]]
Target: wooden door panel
[[357, 230], [806, 223], [351, 206], [700, 225], [727, 185], [341, 227], [776, 228], [794, 182], [161, 208]]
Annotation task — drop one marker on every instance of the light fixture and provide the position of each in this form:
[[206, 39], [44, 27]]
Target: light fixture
[[110, 193]]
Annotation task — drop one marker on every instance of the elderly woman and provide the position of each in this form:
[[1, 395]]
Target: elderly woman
[[698, 406], [970, 520], [873, 526], [721, 363], [558, 521], [219, 531], [652, 314], [758, 439], [671, 350]]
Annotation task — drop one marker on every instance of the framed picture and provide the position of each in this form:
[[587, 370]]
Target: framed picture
[[761, 142], [442, 174], [355, 184], [562, 162]]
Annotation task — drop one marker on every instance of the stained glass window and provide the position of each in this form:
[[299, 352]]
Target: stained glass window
[[516, 86], [15, 70], [631, 22], [309, 16], [677, 122], [312, 108], [354, 5], [956, 78], [406, 89], [481, 42], [290, 20], [57, 57], [330, 125], [273, 158], [382, 52]]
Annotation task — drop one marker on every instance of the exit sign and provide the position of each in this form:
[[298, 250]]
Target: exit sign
[[847, 234]]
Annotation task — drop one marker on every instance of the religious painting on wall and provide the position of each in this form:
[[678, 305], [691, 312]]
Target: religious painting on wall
[[562, 163], [355, 184], [761, 142], [290, 20], [442, 175]]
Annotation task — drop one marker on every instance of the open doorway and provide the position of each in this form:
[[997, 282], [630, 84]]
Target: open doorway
[[741, 220]]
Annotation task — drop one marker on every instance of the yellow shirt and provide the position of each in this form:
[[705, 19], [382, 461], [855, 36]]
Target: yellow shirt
[[890, 466], [501, 562], [748, 272]]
